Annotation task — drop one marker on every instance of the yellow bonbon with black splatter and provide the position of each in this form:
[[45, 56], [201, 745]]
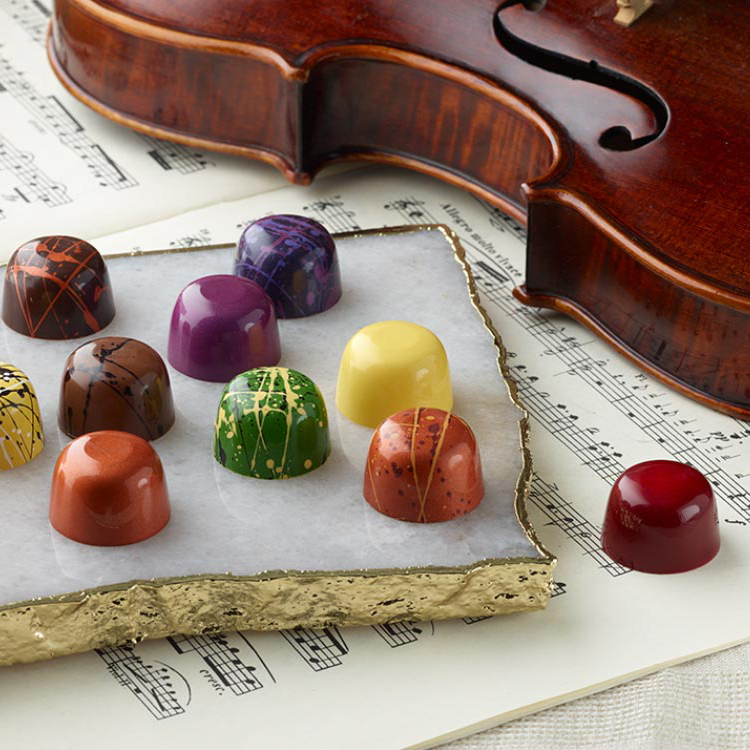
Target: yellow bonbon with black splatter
[[21, 433]]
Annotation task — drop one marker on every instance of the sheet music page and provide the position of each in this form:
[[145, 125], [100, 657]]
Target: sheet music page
[[415, 684], [66, 170]]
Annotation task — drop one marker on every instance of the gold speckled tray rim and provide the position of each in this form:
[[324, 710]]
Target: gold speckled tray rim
[[137, 610]]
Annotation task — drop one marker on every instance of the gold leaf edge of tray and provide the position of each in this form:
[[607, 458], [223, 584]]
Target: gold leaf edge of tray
[[139, 610]]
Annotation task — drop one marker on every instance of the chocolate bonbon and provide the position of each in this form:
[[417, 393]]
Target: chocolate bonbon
[[294, 259], [109, 488], [115, 383], [221, 326], [21, 433], [271, 424], [57, 288], [423, 466], [661, 518], [391, 366]]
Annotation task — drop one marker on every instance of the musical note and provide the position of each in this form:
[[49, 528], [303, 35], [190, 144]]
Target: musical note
[[32, 182], [545, 497], [559, 588], [492, 271], [601, 457], [397, 634], [332, 214], [151, 684], [202, 237], [31, 15], [501, 221], [320, 649], [171, 156], [52, 115], [411, 210], [224, 660]]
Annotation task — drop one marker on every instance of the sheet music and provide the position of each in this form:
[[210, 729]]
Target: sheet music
[[65, 169], [320, 649], [414, 684]]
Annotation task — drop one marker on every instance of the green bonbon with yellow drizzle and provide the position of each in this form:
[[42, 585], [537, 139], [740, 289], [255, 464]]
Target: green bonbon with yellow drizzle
[[272, 423]]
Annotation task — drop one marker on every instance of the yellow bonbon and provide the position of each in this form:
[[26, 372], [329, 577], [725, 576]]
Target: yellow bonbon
[[391, 366], [21, 434]]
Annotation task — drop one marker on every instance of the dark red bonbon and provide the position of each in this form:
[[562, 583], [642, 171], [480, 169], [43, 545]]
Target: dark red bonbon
[[661, 518]]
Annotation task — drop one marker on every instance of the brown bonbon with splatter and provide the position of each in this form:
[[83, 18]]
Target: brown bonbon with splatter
[[115, 383]]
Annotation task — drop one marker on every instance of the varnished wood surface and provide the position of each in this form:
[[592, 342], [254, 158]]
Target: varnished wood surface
[[660, 326], [656, 234]]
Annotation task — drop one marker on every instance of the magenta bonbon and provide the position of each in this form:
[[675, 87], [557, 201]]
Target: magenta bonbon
[[294, 259], [221, 326]]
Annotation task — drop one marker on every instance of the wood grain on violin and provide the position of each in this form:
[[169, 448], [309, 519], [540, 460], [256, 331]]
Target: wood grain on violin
[[625, 149]]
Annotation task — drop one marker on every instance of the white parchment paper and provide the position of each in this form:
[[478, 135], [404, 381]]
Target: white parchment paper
[[224, 523]]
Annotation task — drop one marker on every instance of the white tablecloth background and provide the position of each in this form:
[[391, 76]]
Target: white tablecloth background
[[700, 705]]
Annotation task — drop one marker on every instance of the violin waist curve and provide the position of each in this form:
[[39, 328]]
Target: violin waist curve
[[361, 87]]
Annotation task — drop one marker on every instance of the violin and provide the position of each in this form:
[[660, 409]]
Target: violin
[[623, 148]]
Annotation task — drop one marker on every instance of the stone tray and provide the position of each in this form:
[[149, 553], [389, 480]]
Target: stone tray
[[240, 553]]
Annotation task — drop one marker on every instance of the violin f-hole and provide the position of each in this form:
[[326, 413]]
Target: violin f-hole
[[615, 138]]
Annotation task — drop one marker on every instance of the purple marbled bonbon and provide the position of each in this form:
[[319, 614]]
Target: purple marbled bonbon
[[221, 326], [294, 259]]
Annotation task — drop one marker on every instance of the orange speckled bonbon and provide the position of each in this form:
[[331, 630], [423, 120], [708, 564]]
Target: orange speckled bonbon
[[423, 466]]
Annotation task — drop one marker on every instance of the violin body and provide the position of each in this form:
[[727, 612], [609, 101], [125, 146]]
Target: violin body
[[625, 150]]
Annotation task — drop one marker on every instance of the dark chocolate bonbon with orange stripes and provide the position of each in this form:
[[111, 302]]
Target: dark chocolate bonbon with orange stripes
[[57, 288], [423, 466]]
